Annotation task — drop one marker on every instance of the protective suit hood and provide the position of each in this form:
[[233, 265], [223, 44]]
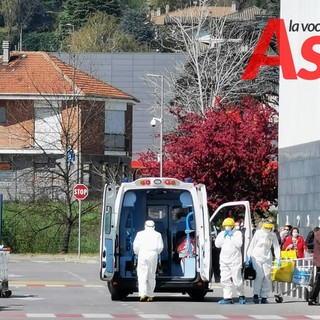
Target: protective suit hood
[[149, 224]]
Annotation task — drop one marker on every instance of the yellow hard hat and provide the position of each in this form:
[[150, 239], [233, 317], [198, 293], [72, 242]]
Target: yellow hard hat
[[228, 222]]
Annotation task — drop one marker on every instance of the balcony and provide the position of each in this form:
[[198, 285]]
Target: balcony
[[116, 144]]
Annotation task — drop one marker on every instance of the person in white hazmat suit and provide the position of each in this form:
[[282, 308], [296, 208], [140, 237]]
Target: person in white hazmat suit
[[230, 241], [147, 245], [260, 253]]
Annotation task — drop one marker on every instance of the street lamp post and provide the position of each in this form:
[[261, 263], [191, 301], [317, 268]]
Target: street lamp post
[[160, 120], [78, 141]]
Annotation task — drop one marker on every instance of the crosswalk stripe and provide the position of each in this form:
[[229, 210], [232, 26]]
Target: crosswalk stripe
[[13, 315]]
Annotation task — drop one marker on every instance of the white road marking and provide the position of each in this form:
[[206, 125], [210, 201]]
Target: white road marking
[[28, 298]]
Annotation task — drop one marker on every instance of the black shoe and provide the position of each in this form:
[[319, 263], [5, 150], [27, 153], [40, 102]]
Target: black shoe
[[312, 303], [255, 299]]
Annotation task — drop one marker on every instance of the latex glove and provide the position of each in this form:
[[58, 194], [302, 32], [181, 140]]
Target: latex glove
[[249, 261], [228, 233], [278, 263]]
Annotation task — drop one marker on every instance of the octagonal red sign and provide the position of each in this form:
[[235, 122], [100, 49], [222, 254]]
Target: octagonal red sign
[[80, 191]]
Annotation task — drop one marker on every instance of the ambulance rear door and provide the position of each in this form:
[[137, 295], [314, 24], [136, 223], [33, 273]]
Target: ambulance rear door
[[239, 211], [204, 233], [108, 232]]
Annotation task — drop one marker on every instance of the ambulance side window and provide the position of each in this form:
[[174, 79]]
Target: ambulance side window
[[107, 221]]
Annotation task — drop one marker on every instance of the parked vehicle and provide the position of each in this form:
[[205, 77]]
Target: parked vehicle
[[179, 210]]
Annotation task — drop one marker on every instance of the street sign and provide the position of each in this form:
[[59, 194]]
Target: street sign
[[80, 191]]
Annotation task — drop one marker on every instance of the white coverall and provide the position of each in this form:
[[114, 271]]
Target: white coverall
[[147, 246], [260, 252], [230, 262]]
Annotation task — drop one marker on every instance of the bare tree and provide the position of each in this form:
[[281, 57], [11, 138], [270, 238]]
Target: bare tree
[[63, 133], [9, 11], [215, 62]]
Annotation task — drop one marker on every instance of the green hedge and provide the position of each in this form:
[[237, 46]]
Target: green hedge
[[39, 228]]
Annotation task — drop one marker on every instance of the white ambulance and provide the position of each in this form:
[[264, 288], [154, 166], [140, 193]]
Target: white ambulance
[[179, 210]]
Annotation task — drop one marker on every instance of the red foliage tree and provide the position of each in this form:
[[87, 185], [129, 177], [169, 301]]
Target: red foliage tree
[[232, 150]]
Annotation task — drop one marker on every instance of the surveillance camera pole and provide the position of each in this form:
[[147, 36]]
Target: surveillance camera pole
[[160, 121]]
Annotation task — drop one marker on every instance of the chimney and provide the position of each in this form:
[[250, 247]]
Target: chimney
[[158, 12], [233, 6], [6, 52], [167, 8]]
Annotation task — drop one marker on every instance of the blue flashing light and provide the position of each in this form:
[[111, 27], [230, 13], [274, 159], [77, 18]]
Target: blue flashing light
[[188, 180], [126, 179]]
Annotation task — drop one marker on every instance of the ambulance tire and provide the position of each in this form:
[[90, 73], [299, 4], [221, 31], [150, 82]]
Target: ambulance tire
[[197, 295], [116, 294]]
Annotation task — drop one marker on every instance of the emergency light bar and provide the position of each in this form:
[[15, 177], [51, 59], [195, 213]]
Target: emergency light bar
[[159, 182]]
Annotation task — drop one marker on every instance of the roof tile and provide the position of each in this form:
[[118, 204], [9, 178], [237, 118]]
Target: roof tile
[[41, 73]]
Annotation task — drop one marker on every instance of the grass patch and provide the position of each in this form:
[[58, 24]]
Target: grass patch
[[42, 227]]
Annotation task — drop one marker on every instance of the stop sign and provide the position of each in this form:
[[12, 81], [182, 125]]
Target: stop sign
[[80, 191]]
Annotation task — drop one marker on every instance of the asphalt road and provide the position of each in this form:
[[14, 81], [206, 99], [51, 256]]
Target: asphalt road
[[65, 287]]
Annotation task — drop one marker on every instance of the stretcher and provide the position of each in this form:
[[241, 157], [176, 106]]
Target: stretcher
[[293, 278]]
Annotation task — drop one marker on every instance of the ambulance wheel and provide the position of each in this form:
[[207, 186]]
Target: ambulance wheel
[[279, 299], [116, 294], [197, 295], [7, 294], [306, 294]]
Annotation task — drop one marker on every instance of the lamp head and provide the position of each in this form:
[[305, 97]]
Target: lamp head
[[153, 122]]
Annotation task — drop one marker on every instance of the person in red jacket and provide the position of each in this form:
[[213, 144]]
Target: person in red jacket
[[295, 242]]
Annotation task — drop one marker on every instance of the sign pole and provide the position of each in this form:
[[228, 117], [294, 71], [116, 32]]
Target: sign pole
[[79, 228], [80, 192]]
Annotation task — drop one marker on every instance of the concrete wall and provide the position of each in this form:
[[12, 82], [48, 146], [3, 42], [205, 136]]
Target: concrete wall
[[128, 72], [299, 186]]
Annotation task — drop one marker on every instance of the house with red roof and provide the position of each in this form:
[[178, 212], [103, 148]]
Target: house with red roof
[[56, 118]]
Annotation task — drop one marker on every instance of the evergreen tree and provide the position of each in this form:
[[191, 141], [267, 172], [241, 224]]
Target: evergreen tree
[[135, 23], [77, 12]]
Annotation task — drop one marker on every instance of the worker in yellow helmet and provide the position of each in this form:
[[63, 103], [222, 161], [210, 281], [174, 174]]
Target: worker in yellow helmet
[[260, 253], [230, 241]]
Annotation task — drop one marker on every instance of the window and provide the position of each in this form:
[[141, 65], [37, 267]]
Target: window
[[156, 212], [2, 115], [115, 130], [5, 166], [47, 125]]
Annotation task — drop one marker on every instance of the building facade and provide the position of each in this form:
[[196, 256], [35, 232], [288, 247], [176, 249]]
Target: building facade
[[299, 114], [58, 126]]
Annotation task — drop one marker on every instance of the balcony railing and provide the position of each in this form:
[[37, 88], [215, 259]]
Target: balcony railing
[[115, 142]]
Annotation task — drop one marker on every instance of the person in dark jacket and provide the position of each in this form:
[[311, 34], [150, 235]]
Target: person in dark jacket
[[310, 239], [316, 262]]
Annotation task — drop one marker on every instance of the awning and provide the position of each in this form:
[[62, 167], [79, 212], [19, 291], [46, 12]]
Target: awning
[[135, 164]]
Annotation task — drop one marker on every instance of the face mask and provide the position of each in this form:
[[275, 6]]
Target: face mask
[[267, 230], [295, 234], [285, 232], [227, 228], [237, 227]]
